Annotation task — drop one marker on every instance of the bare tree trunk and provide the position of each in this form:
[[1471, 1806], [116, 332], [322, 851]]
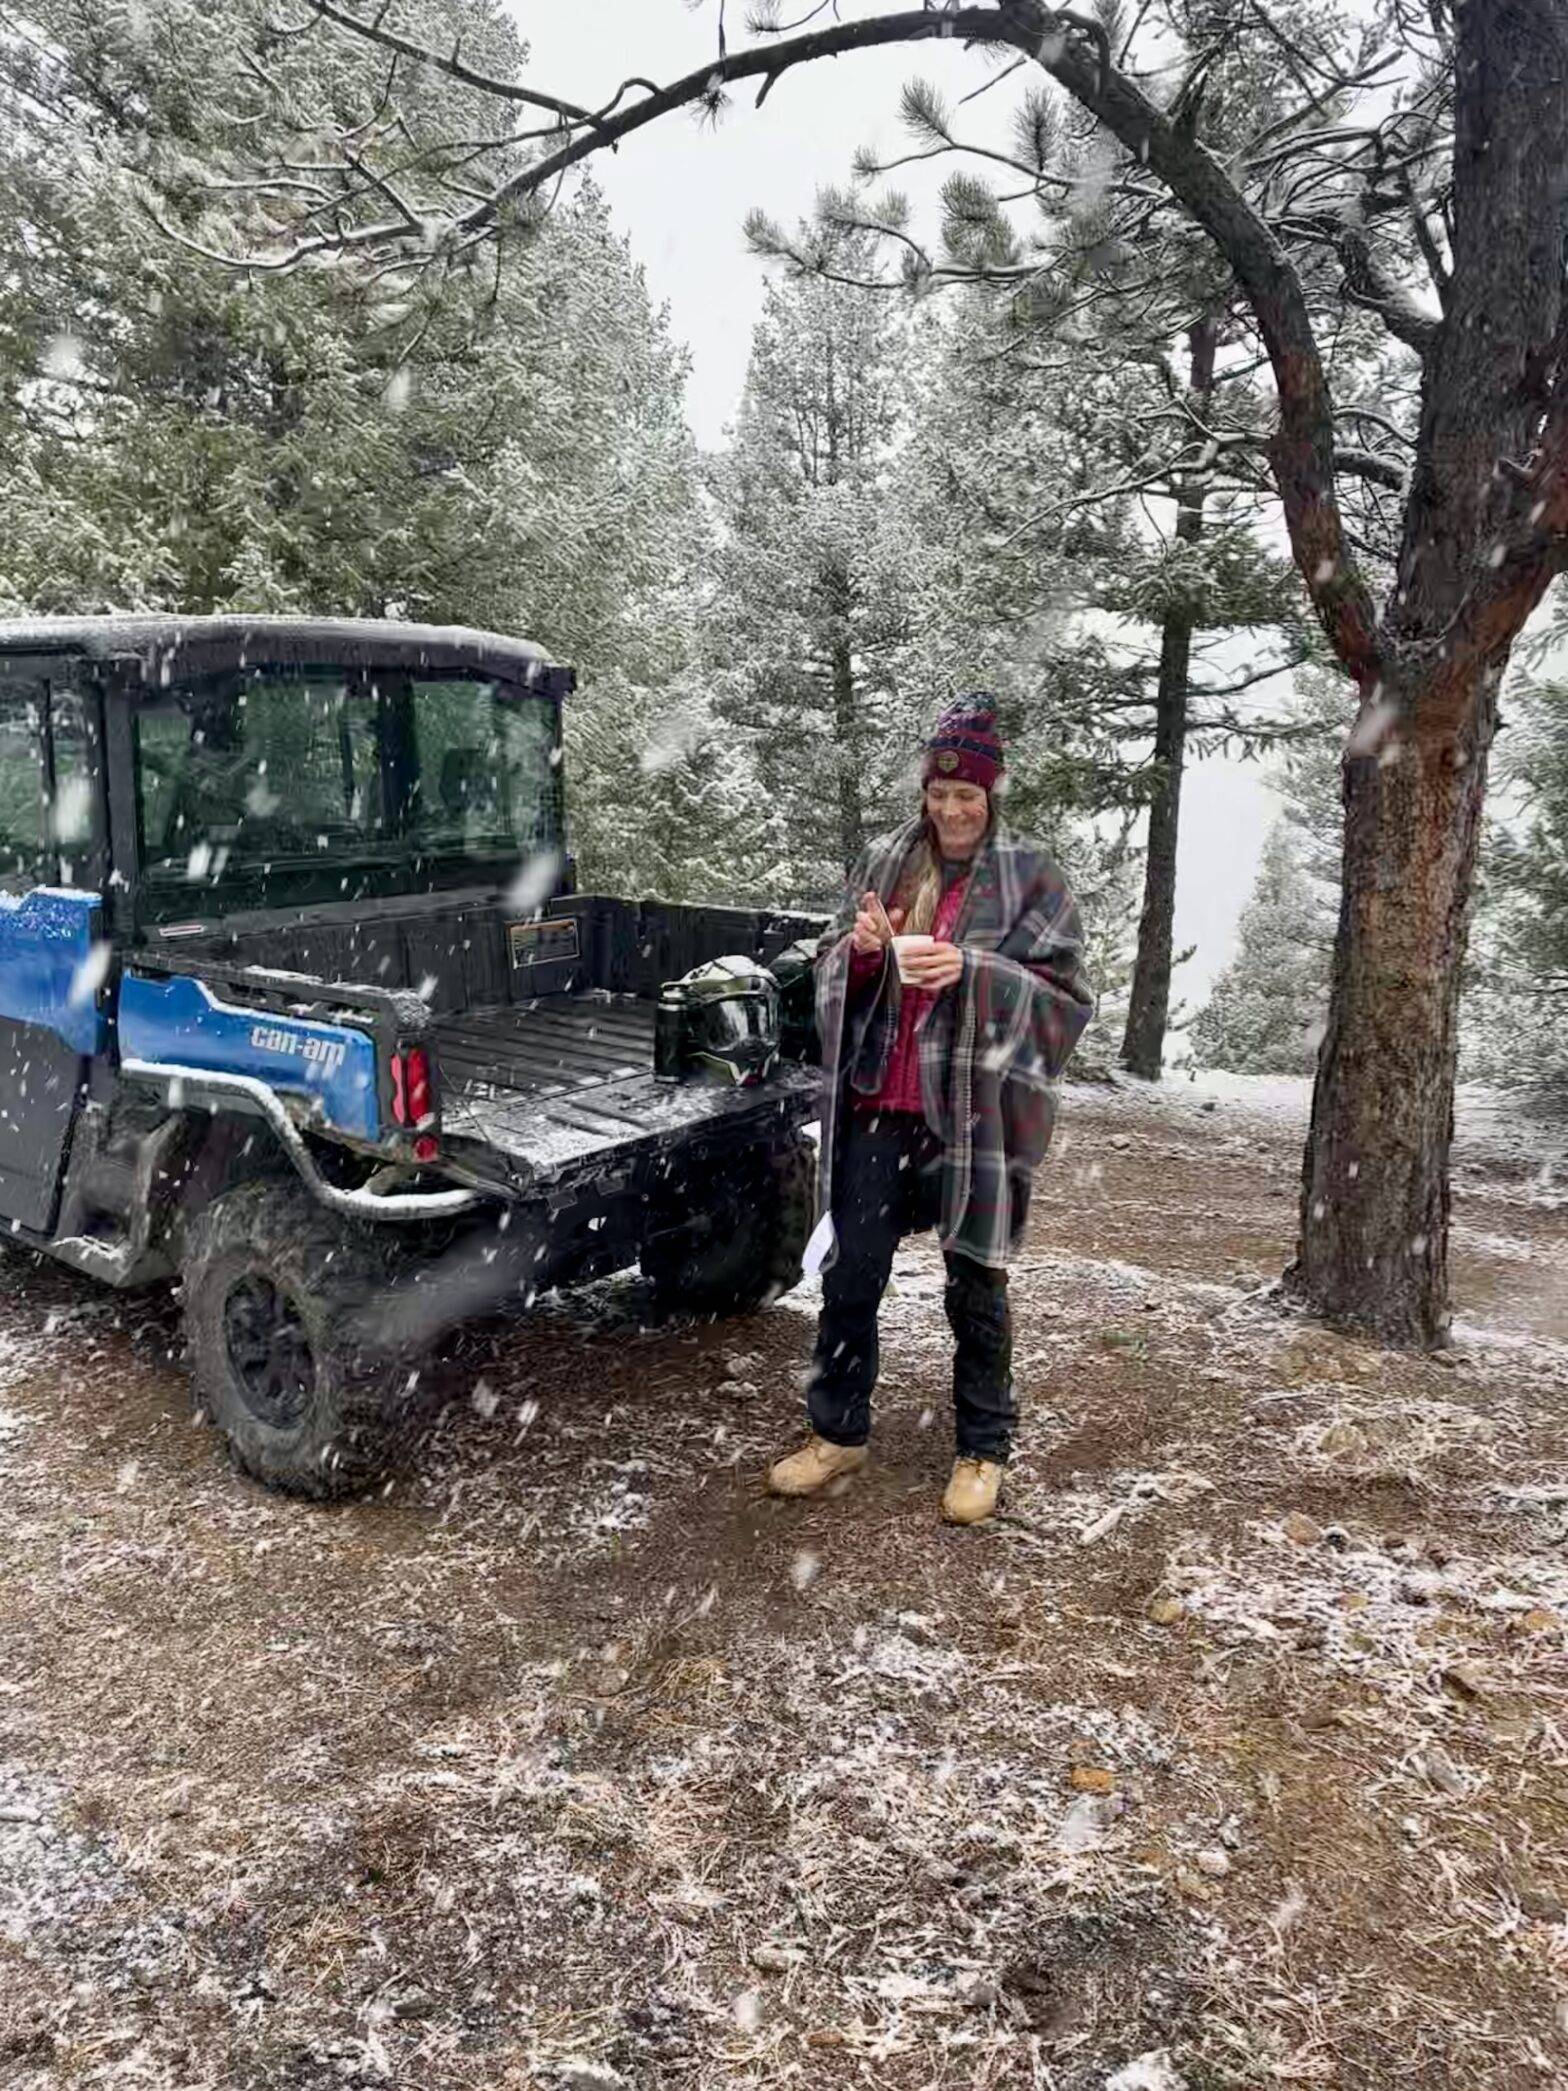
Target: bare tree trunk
[[1373, 1248], [851, 815], [1149, 1009]]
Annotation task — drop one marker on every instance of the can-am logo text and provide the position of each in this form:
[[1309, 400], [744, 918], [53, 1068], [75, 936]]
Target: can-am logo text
[[324, 1056]]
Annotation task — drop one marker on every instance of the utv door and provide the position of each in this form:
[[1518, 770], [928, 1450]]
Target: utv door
[[51, 871]]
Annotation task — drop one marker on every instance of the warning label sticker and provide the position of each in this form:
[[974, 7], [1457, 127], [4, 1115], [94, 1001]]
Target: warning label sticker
[[532, 943]]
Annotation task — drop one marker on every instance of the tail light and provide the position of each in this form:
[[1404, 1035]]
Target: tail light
[[421, 1095], [414, 1096]]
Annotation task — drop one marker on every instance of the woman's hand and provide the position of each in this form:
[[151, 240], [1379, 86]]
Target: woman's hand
[[942, 966], [874, 927]]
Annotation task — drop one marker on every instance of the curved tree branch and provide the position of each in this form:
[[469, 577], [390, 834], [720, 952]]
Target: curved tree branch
[[1364, 286], [452, 63], [1302, 449], [1366, 464], [1074, 50]]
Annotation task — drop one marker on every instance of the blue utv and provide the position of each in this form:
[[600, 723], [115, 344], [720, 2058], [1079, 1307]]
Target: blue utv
[[299, 1004]]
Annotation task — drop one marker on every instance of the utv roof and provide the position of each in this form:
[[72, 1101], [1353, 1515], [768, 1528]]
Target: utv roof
[[166, 645]]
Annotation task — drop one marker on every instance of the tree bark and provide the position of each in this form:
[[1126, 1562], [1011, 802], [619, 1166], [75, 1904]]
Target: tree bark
[[1373, 1246], [851, 815], [1149, 1007]]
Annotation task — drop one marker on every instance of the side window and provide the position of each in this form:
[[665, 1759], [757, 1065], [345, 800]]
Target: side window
[[26, 853], [75, 790]]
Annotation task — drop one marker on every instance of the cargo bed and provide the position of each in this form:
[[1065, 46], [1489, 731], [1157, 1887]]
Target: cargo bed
[[546, 1088], [543, 1031], [550, 1047]]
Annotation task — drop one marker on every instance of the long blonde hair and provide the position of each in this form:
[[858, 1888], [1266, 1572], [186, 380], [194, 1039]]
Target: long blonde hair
[[919, 891]]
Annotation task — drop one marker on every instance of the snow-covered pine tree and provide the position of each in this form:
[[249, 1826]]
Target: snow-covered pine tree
[[500, 441], [812, 586], [1309, 775], [992, 439], [663, 797], [1265, 1015], [1515, 1014], [1253, 1023]]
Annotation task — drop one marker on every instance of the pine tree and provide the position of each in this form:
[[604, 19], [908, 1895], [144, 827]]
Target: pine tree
[[1516, 1000], [500, 444], [992, 440], [812, 589], [1265, 1014], [663, 794]]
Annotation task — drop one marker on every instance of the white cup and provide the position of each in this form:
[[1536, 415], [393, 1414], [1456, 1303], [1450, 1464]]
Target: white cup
[[902, 946]]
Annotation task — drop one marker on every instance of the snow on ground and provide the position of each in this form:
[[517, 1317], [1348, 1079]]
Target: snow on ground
[[1234, 1753], [1491, 1126]]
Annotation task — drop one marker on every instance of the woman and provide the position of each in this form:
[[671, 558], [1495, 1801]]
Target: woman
[[939, 1098]]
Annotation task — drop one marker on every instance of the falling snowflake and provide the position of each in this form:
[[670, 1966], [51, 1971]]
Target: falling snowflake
[[535, 882], [90, 975], [71, 814], [63, 359]]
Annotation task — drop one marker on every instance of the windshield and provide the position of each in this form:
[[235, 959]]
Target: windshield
[[274, 787]]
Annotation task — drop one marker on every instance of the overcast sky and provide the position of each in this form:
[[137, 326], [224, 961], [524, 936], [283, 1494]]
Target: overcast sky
[[680, 191]]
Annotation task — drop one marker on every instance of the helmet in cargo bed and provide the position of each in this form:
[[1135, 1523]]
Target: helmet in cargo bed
[[720, 1020]]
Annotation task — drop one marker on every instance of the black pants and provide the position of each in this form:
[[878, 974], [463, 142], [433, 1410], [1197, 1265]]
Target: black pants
[[888, 1185]]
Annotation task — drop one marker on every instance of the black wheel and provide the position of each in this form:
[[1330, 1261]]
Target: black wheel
[[269, 1352], [745, 1248], [280, 1302]]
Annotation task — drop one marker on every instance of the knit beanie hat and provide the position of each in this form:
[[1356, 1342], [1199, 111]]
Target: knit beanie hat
[[966, 746]]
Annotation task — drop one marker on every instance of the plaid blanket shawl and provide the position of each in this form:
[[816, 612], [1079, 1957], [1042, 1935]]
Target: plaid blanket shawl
[[992, 1049]]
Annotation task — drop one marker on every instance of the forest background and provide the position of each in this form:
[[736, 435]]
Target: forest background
[[778, 486]]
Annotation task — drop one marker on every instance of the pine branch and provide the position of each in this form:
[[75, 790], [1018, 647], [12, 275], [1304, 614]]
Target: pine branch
[[452, 63], [1365, 464], [1036, 130], [922, 111], [1075, 50]]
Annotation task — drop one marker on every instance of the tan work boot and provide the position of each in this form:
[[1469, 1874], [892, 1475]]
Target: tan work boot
[[972, 1491], [814, 1467]]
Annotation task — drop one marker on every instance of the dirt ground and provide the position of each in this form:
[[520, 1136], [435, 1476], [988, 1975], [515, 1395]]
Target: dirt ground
[[1234, 1754]]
